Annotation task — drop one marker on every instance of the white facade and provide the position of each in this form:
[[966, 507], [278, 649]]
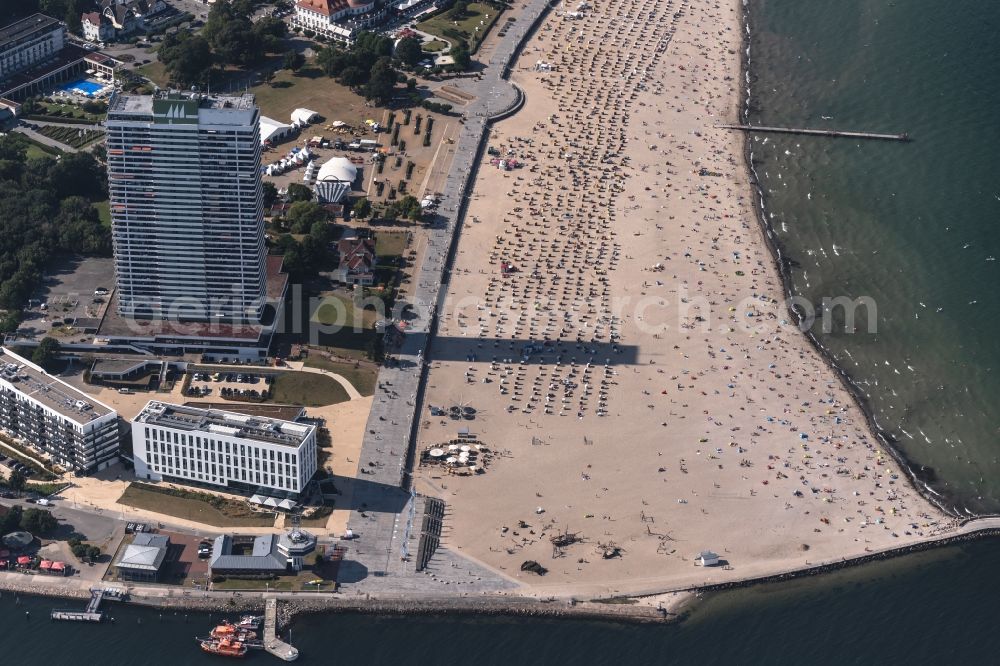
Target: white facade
[[77, 431], [224, 449], [337, 19], [187, 206], [29, 41]]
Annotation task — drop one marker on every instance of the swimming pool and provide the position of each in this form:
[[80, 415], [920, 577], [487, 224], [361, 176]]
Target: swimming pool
[[83, 86]]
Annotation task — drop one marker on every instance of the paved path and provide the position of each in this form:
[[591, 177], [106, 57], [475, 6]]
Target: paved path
[[41, 138], [389, 433]]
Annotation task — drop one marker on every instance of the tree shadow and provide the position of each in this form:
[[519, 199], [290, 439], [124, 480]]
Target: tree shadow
[[351, 571]]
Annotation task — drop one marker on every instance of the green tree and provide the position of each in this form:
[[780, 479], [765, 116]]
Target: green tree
[[236, 43], [10, 321], [187, 57], [270, 194], [362, 208], [353, 76], [409, 52], [17, 481], [299, 192], [93, 553], [46, 352], [381, 82], [294, 60], [460, 54], [11, 521], [302, 215], [38, 521], [459, 10], [79, 174], [321, 231]]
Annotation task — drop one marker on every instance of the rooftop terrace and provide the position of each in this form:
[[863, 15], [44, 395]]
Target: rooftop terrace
[[257, 428]]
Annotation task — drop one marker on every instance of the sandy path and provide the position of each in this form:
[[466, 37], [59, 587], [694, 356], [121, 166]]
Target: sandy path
[[673, 409]]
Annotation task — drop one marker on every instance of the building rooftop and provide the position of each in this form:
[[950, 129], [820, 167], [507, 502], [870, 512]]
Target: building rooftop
[[146, 552], [25, 26], [53, 393], [168, 101], [258, 428], [264, 555]]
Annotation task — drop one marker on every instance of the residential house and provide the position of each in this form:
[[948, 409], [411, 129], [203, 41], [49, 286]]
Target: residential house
[[357, 261]]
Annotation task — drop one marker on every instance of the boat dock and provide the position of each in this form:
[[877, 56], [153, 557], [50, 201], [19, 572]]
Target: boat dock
[[818, 132], [92, 613], [272, 643]]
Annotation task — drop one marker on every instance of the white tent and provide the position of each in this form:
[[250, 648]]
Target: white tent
[[271, 502], [338, 169], [286, 504], [257, 499], [304, 116], [272, 130]]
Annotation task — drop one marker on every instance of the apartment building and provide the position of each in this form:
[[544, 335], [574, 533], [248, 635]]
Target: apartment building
[[77, 431], [223, 450], [187, 207]]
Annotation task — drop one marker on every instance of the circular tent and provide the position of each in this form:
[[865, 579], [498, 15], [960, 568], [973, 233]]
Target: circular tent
[[18, 540]]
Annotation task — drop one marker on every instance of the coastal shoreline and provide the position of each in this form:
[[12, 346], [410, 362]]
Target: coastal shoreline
[[919, 480], [615, 608]]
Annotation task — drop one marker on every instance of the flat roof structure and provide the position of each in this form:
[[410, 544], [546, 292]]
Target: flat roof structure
[[253, 428], [263, 556], [281, 412], [26, 26], [51, 392]]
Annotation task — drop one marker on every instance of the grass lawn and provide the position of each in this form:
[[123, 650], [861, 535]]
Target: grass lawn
[[389, 244], [307, 389], [434, 46], [36, 149], [104, 211], [443, 25], [311, 89], [155, 72], [362, 376], [220, 513]]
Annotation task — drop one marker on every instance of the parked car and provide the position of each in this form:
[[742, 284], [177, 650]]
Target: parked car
[[204, 550]]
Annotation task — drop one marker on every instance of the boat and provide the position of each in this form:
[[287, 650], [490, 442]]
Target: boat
[[232, 631], [250, 622], [223, 646]]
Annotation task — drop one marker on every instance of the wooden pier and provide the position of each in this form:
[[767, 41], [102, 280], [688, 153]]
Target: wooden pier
[[818, 132], [91, 614], [272, 643]]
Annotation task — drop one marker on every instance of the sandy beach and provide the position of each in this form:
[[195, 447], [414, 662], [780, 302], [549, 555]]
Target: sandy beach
[[615, 321]]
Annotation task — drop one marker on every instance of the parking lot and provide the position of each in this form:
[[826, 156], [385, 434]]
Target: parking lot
[[212, 384], [69, 301]]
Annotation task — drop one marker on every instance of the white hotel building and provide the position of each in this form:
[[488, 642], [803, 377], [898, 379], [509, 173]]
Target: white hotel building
[[78, 432], [186, 205], [224, 450]]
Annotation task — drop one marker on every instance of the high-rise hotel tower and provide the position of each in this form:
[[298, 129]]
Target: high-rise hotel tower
[[186, 206]]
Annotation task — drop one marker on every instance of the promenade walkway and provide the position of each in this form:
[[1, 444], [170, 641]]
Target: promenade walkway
[[390, 430]]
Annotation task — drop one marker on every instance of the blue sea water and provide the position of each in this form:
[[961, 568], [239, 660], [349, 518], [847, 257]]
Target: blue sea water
[[913, 226]]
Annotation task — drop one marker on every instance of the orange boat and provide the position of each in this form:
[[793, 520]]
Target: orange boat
[[223, 646], [231, 631]]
